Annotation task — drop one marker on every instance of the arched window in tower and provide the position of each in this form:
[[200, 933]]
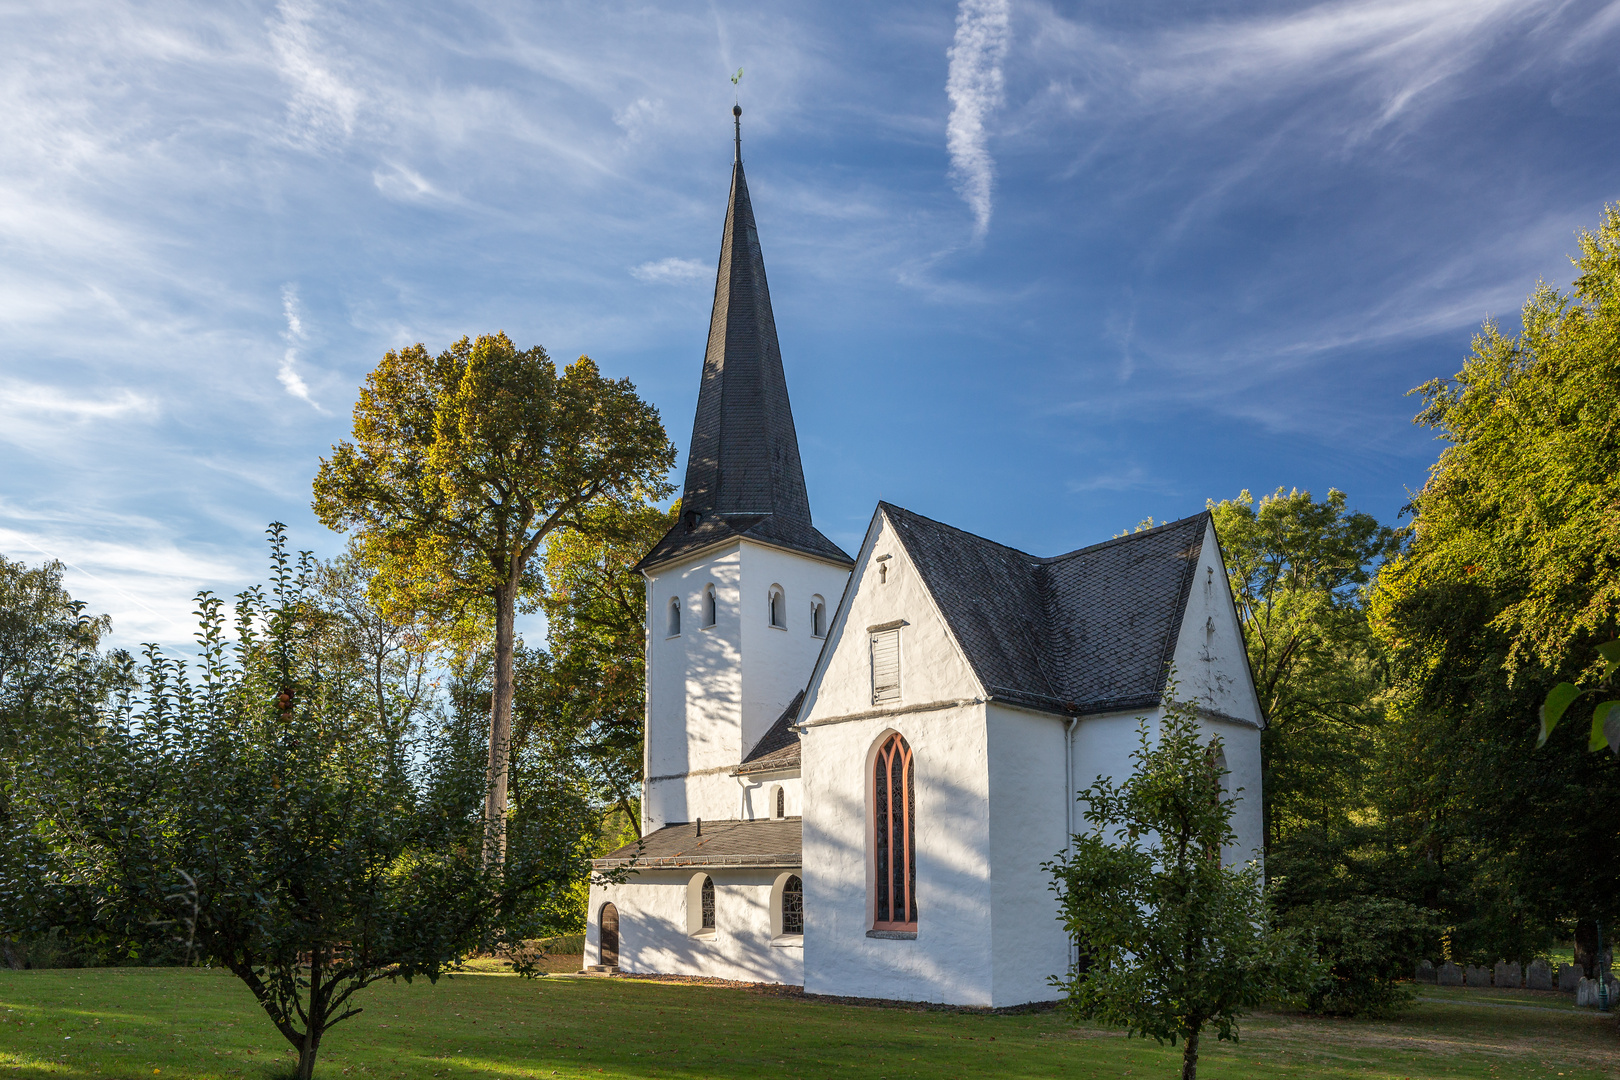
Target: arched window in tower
[[674, 616], [708, 606], [708, 903], [793, 906], [778, 608], [818, 616], [894, 831]]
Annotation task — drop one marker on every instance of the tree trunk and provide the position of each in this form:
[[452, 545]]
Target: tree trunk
[[500, 724], [1189, 1057], [1586, 947]]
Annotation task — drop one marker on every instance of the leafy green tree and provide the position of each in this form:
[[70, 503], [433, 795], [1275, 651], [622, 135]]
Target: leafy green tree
[[1298, 570], [54, 680], [1510, 586], [463, 464], [253, 817], [391, 655], [1171, 940], [594, 683]]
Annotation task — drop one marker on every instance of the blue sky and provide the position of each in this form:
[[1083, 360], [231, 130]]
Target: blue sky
[[1040, 269]]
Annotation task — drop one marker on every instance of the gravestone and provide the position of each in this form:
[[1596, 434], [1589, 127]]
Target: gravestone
[[1507, 974], [1449, 974], [1425, 972], [1569, 977], [1586, 992], [1539, 976], [1476, 975]]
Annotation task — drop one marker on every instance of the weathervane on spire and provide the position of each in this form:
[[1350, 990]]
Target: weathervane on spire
[[736, 116]]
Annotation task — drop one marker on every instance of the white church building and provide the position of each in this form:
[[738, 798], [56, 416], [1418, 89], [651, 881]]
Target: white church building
[[855, 767]]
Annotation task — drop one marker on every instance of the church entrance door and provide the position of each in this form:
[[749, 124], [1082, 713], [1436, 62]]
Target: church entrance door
[[609, 926]]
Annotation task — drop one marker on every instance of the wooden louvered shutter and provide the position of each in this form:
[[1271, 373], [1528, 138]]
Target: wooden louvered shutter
[[885, 666]]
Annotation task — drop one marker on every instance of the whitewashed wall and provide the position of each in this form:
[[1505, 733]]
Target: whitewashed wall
[[694, 693], [1103, 746], [758, 798], [777, 662], [653, 936], [1212, 670], [712, 692], [950, 959], [1028, 827]]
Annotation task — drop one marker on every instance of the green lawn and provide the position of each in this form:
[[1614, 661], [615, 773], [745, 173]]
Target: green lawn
[[189, 1025]]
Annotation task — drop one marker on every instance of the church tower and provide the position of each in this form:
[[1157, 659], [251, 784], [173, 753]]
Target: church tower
[[740, 592]]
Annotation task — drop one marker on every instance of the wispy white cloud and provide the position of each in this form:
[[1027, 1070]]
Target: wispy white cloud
[[324, 105], [287, 373], [975, 86], [665, 271]]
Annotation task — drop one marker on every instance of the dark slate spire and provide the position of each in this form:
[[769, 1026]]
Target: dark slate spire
[[743, 476]]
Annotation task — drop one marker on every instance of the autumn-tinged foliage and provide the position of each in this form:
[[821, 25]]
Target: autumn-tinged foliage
[[463, 464]]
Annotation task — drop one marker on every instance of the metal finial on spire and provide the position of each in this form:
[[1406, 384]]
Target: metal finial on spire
[[736, 118]]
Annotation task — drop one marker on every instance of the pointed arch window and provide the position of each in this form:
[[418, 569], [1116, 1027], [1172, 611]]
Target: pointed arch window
[[894, 832], [708, 903], [781, 802]]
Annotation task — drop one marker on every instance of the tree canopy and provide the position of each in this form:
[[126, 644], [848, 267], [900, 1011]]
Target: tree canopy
[[463, 464], [1171, 940], [1510, 584], [255, 814]]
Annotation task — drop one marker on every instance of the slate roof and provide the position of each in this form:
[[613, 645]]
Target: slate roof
[[743, 475], [1087, 632], [778, 748], [773, 842]]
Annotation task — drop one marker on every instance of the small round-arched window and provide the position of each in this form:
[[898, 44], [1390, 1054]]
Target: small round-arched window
[[708, 606], [674, 616], [778, 608], [818, 616], [793, 906]]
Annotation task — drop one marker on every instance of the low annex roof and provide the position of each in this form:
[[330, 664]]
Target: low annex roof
[[772, 842], [1090, 631], [778, 748]]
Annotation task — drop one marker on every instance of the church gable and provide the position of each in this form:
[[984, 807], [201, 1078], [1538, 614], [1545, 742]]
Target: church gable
[[1090, 631], [1211, 661], [889, 647]]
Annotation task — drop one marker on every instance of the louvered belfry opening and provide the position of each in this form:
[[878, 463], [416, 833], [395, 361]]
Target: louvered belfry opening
[[894, 816]]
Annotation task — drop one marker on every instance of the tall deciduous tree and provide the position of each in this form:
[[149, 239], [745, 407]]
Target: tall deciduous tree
[[596, 612], [464, 463], [1510, 585], [1298, 570], [1171, 941]]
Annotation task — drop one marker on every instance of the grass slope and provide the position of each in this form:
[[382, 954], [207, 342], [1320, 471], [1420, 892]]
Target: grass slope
[[191, 1025]]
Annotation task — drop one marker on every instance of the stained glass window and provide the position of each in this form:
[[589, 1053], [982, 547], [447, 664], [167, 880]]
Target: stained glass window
[[708, 903], [894, 815]]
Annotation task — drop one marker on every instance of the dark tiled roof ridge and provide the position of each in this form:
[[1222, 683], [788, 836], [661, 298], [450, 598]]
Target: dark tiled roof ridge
[[1090, 630], [1089, 548]]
